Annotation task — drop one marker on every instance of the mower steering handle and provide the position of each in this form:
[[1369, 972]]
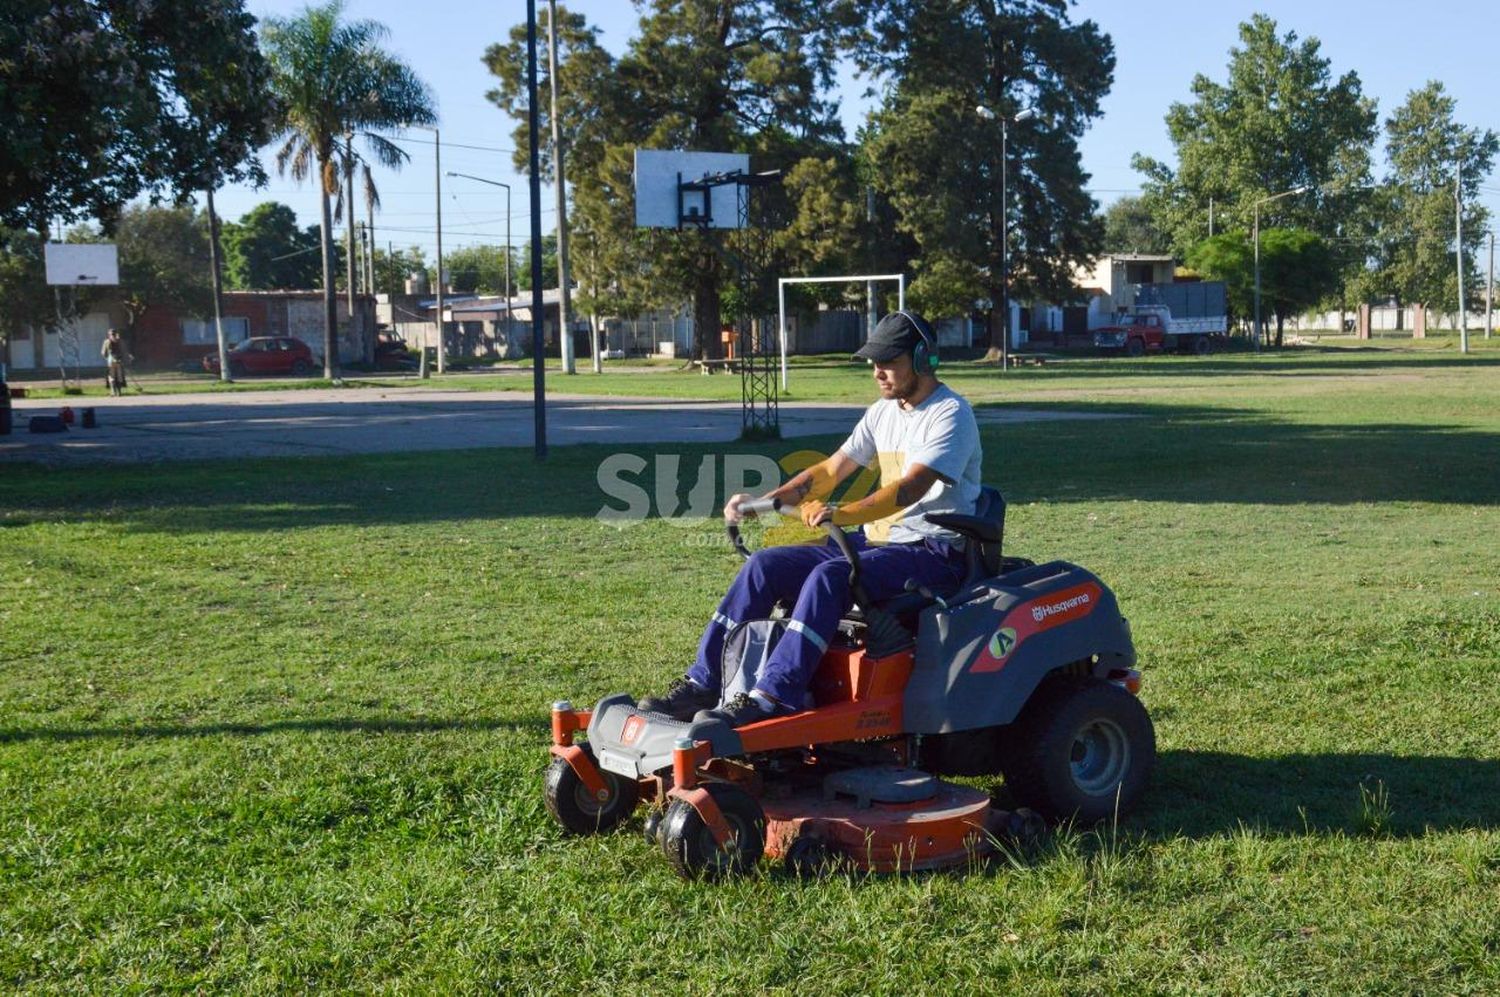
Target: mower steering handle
[[754, 507], [761, 506]]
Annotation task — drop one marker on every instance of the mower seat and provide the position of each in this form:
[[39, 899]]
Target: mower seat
[[984, 532]]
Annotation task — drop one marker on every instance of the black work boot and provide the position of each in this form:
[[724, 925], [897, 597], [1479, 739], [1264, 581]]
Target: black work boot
[[741, 710], [684, 699]]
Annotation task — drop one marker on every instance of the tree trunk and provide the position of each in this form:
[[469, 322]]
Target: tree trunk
[[706, 317], [997, 329], [330, 293], [218, 282], [1279, 320]]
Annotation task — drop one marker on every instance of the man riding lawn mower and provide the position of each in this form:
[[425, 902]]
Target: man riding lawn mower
[[833, 679]]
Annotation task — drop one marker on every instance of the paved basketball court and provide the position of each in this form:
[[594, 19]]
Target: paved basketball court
[[312, 422]]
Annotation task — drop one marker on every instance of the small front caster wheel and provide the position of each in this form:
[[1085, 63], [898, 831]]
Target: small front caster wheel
[[653, 825], [580, 810], [810, 858], [690, 845]]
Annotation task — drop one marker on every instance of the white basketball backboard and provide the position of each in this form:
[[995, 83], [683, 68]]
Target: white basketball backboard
[[82, 264], [658, 173]]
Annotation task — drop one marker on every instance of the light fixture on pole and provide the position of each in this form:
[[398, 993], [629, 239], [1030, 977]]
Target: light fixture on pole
[[497, 183], [1004, 304], [1286, 193]]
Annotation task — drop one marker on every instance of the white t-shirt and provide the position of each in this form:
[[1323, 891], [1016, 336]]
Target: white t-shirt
[[940, 433]]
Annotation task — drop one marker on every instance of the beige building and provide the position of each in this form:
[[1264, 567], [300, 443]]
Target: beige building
[[1115, 276]]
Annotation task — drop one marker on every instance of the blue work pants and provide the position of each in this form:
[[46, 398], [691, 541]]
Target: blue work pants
[[814, 581]]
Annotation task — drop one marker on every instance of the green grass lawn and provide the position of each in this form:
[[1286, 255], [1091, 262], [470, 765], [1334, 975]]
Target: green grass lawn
[[281, 725]]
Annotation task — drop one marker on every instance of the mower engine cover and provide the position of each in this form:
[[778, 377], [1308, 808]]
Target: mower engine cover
[[980, 659]]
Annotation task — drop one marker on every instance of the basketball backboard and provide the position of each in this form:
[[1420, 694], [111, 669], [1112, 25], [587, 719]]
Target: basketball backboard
[[77, 264], [659, 174]]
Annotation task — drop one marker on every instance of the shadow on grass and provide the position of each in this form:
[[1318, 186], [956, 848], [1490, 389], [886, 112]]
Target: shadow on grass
[[378, 725], [1183, 454], [1203, 793]]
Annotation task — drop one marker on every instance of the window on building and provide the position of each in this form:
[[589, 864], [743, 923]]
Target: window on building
[[200, 332]]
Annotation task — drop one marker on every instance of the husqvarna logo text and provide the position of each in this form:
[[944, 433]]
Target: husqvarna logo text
[[1040, 613]]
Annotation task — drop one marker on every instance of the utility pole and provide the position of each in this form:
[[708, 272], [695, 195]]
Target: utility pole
[[213, 262], [538, 368], [564, 338], [437, 159], [1458, 225], [349, 225], [370, 232], [1489, 290]]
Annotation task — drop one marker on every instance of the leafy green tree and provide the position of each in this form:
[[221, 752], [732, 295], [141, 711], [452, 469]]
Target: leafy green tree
[[1228, 257], [1130, 228], [393, 268], [721, 75], [1425, 145], [549, 264], [1280, 121], [1297, 267], [108, 101], [332, 79], [265, 250], [481, 269], [937, 157]]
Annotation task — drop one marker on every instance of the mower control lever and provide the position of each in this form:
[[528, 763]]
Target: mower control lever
[[912, 585]]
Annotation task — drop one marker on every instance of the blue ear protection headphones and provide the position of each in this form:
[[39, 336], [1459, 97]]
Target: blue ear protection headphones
[[924, 356]]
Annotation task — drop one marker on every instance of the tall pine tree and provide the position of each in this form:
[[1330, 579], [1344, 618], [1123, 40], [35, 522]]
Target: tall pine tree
[[938, 158]]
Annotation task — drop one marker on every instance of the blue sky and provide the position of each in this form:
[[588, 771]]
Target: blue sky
[[1159, 47]]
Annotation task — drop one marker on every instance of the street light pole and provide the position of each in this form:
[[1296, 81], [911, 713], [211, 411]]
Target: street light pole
[[1265, 200], [437, 160], [497, 183], [1004, 303], [1458, 245]]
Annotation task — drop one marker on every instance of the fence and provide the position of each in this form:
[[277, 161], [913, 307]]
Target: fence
[[1387, 321]]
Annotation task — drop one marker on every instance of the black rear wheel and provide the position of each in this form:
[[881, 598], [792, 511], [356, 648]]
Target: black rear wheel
[[690, 845], [581, 811], [1083, 749]]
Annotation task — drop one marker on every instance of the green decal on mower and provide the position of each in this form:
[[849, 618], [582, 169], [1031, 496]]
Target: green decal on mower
[[1002, 642]]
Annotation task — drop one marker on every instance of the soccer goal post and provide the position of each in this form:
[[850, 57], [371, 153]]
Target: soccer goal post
[[899, 278]]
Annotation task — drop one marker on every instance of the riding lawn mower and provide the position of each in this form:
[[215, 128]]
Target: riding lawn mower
[[1026, 671]]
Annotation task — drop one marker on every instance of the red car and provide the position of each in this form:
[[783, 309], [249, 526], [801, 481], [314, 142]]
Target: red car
[[265, 355]]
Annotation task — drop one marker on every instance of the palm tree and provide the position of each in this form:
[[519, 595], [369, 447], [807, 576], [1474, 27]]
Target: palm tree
[[333, 80]]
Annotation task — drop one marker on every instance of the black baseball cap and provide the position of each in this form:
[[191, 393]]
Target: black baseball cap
[[897, 333]]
